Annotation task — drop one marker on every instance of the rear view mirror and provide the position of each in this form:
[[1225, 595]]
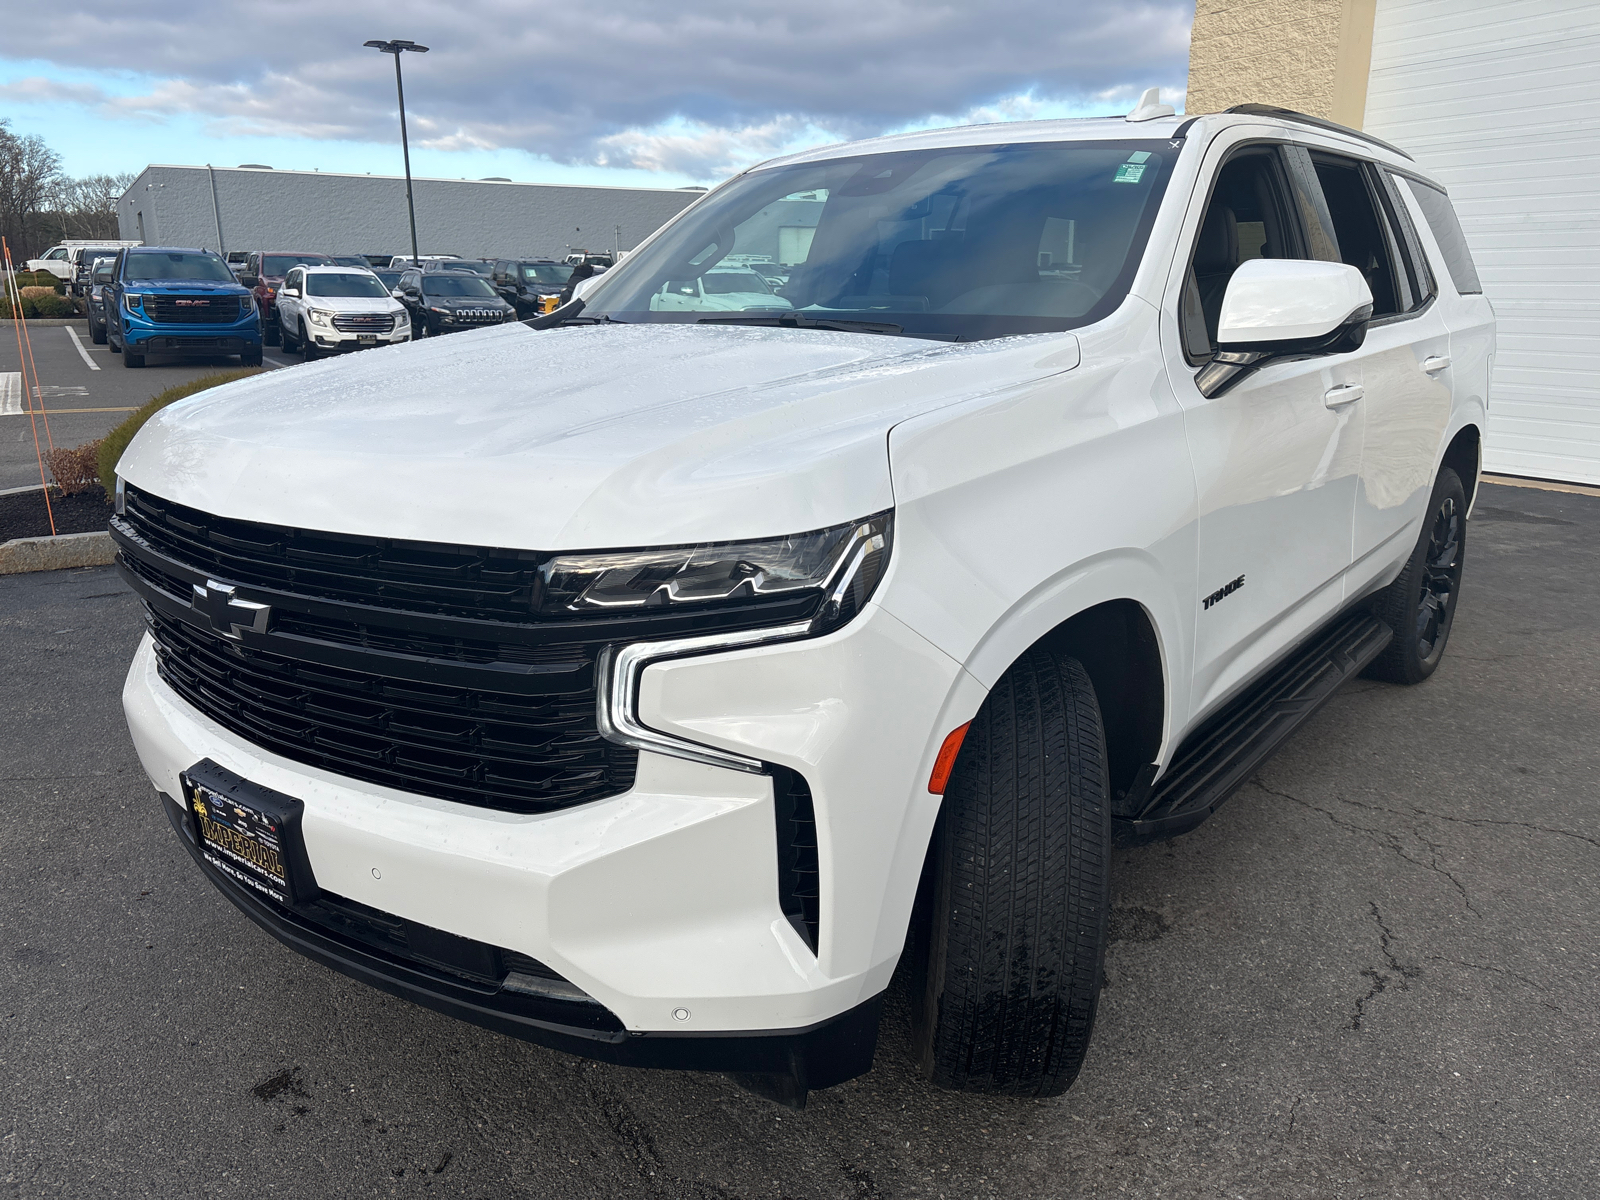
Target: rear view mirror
[[1276, 307], [1275, 302]]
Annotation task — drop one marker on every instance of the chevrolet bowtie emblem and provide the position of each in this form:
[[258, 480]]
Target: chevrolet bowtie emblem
[[228, 614]]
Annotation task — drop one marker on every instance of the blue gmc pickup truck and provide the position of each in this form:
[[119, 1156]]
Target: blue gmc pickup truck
[[177, 301]]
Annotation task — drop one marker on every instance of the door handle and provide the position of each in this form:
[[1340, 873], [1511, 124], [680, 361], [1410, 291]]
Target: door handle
[[1435, 363], [1345, 393]]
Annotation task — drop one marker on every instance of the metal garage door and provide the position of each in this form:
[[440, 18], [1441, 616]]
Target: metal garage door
[[1501, 98]]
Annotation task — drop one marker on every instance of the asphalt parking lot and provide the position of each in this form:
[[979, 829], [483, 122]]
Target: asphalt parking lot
[[85, 388], [1372, 974]]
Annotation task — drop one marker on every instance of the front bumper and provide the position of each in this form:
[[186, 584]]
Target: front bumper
[[334, 339], [662, 903]]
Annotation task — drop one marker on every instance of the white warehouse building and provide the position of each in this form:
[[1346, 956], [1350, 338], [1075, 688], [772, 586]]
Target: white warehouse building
[[257, 208]]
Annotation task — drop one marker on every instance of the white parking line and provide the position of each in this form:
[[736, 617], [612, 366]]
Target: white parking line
[[275, 362], [10, 393], [82, 353]]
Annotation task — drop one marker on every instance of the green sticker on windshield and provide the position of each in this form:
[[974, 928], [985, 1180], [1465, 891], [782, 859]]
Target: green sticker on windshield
[[1129, 173]]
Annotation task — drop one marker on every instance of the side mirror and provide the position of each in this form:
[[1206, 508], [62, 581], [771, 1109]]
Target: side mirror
[[1277, 307], [288, 291], [397, 293], [250, 281]]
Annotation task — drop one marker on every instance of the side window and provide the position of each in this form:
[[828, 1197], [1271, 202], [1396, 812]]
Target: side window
[[1418, 275], [1441, 216], [1248, 216], [56, 255], [1363, 238]]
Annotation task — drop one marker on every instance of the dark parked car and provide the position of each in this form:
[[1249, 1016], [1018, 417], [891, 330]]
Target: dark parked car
[[173, 300], [351, 260], [447, 301], [82, 260], [105, 270], [391, 279], [263, 273], [478, 266], [525, 281]]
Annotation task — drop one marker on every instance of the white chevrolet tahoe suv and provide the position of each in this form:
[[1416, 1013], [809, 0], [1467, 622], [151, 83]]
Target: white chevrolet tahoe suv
[[322, 310], [648, 683]]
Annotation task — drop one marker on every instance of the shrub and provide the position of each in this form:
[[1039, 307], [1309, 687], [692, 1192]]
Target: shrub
[[34, 291], [27, 279], [76, 469], [48, 305], [114, 443]]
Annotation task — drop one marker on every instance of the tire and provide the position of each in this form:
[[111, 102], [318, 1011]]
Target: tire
[[285, 340], [1420, 606], [252, 359], [1011, 940], [269, 330], [129, 359], [308, 348], [97, 332]]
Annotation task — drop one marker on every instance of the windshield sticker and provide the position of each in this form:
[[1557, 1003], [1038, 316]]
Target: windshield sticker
[[1129, 173], [1139, 156]]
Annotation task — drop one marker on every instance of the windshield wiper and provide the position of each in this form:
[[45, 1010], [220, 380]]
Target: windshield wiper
[[798, 321], [568, 314]]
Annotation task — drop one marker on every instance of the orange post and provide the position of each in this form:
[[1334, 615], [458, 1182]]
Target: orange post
[[29, 391]]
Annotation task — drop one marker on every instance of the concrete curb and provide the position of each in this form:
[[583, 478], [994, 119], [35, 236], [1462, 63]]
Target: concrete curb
[[57, 553]]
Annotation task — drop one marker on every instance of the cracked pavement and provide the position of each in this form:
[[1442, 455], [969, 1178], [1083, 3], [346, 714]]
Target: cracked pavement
[[1372, 974]]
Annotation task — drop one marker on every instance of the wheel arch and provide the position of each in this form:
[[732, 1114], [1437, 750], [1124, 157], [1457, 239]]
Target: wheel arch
[[1464, 455]]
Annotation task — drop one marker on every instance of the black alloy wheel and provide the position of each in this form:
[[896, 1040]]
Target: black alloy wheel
[[1420, 605], [285, 340], [308, 348]]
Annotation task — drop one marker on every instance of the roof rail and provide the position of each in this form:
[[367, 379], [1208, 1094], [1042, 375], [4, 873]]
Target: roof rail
[[1288, 114]]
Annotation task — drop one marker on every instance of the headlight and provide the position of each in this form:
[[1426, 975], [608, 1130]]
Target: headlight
[[134, 300], [443, 312], [843, 564], [122, 497], [247, 304], [402, 318], [320, 316]]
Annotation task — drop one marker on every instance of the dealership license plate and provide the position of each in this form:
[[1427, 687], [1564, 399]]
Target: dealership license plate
[[242, 841], [366, 339]]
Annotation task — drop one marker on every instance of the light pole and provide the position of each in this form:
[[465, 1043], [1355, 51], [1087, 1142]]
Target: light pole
[[397, 46]]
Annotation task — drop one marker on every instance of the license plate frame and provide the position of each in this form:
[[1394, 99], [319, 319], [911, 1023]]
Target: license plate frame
[[366, 339], [249, 834]]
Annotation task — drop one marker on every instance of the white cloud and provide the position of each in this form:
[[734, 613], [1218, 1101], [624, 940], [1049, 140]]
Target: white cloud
[[701, 89]]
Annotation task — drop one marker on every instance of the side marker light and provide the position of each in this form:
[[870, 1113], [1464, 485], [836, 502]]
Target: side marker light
[[946, 761]]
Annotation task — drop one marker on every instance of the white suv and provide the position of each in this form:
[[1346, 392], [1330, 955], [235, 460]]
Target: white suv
[[649, 685], [322, 310]]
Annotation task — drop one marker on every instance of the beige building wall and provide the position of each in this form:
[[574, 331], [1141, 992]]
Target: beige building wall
[[1309, 55]]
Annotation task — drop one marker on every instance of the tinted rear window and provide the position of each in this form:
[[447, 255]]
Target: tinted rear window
[[1446, 228]]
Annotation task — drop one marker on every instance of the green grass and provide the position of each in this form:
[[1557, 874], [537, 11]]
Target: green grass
[[117, 440]]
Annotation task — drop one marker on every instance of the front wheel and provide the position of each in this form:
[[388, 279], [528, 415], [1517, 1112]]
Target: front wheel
[[97, 332], [269, 332], [286, 340], [1420, 606], [308, 348], [251, 358], [130, 359], [1011, 940]]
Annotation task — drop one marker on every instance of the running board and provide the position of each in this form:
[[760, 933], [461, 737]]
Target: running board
[[1220, 757]]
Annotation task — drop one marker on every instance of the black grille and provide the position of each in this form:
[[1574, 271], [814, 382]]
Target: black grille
[[422, 667], [364, 322], [798, 869], [199, 310], [517, 753]]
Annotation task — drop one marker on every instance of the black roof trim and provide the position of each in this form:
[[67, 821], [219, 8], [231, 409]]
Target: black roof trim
[[1288, 114]]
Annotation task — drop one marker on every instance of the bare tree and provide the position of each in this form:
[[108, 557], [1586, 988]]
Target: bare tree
[[86, 207], [28, 171]]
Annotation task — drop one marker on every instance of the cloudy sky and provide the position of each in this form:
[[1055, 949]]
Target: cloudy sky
[[626, 92]]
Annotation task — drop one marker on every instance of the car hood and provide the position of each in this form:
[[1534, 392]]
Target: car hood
[[185, 287], [464, 301], [586, 437], [360, 304]]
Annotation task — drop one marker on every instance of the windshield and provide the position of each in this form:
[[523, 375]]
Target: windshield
[[555, 274], [348, 260], [176, 265], [456, 285], [279, 264], [389, 279], [320, 284], [481, 268], [952, 243], [89, 256]]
